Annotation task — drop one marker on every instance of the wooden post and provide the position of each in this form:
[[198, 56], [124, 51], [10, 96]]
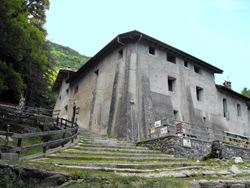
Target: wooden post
[[44, 149], [64, 135], [19, 144]]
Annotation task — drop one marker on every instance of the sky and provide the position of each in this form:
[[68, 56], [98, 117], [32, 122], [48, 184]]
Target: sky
[[215, 31]]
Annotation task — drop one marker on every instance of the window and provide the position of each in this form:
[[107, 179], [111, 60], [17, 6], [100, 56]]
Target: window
[[67, 91], [238, 110], [76, 89], [197, 70], [186, 64], [204, 119], [151, 50], [171, 58], [120, 54], [60, 97], [175, 114], [199, 93], [97, 72], [171, 83], [225, 107], [66, 108]]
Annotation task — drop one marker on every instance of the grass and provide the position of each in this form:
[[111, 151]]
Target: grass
[[93, 178]]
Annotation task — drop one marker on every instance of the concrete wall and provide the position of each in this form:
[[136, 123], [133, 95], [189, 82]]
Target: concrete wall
[[159, 103], [123, 96], [62, 102]]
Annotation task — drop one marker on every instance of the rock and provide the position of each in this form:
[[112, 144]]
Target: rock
[[237, 186], [41, 177], [237, 160], [235, 170], [71, 183]]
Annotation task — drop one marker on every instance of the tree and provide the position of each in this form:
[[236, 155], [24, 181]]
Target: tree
[[23, 51], [246, 92]]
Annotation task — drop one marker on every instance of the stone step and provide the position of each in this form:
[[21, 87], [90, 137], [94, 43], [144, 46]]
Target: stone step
[[107, 169], [117, 154], [103, 146], [116, 150], [86, 157], [110, 143], [117, 165]]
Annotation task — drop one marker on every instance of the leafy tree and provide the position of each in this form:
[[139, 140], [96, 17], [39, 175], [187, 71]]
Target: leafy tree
[[24, 52], [246, 92]]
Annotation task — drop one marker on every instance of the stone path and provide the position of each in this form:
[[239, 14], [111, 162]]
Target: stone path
[[96, 152]]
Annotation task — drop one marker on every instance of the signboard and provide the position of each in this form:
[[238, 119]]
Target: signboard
[[186, 142], [179, 128], [164, 130], [158, 123], [152, 130]]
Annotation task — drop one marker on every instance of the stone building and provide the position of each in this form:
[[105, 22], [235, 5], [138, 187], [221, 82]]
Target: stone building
[[136, 80]]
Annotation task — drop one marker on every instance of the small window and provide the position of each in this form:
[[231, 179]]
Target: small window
[[97, 72], [238, 110], [186, 64], [171, 58], [120, 54], [171, 83], [67, 91], [225, 107], [76, 89], [175, 114], [60, 97], [66, 108], [204, 119], [197, 70], [151, 50], [199, 93]]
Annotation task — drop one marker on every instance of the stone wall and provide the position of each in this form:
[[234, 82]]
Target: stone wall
[[196, 149], [228, 151]]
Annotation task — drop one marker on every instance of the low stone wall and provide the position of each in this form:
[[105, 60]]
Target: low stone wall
[[229, 151], [186, 147]]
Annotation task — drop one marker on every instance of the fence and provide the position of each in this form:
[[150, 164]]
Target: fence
[[63, 125], [169, 126]]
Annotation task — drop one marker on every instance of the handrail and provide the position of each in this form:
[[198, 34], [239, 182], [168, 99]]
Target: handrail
[[61, 123], [196, 132]]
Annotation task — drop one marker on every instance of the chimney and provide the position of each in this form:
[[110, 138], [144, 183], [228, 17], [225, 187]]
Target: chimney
[[227, 84], [67, 67]]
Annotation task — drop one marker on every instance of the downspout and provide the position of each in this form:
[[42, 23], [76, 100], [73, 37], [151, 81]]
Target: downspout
[[118, 40], [137, 86]]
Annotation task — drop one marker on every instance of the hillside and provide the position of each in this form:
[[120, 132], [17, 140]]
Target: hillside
[[66, 56]]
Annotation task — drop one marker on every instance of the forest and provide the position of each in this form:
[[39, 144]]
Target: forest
[[28, 62]]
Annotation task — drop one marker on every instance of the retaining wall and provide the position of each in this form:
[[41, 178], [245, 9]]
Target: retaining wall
[[192, 148]]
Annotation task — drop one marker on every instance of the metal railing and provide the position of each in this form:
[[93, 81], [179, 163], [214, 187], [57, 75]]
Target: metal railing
[[169, 126]]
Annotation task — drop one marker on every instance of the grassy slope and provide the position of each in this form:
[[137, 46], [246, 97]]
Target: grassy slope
[[66, 56]]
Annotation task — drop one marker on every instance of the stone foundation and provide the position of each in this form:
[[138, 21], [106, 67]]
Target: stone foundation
[[228, 151], [175, 146]]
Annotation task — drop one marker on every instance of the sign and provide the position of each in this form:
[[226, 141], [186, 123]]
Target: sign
[[152, 130], [158, 123], [179, 128], [186, 142], [164, 130], [77, 110], [96, 121]]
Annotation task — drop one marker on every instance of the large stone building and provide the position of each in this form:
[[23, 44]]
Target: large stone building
[[136, 80]]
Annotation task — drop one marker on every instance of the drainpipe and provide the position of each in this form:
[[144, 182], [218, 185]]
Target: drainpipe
[[137, 86], [118, 40]]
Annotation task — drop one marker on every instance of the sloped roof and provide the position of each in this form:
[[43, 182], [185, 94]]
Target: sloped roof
[[59, 79], [227, 90], [134, 36]]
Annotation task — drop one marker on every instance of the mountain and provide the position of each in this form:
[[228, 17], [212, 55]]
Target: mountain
[[66, 56]]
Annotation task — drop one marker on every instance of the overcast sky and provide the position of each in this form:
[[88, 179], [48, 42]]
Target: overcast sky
[[216, 31]]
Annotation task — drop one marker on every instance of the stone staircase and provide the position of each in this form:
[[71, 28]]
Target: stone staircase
[[96, 152]]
